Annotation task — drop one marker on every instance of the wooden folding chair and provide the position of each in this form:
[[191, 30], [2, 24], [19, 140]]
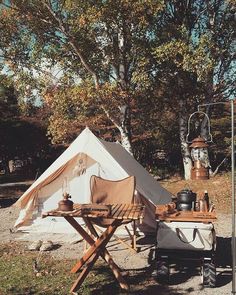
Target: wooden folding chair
[[105, 191]]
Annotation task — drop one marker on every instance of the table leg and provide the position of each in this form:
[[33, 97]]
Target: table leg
[[84, 273], [107, 257], [79, 229], [98, 244], [134, 236], [104, 253]]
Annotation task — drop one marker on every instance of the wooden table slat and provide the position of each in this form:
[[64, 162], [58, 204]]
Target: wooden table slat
[[132, 212], [124, 211], [128, 211], [136, 214], [118, 211], [115, 209]]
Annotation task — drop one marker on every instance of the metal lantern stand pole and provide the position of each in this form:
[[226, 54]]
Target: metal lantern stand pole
[[233, 244], [233, 197]]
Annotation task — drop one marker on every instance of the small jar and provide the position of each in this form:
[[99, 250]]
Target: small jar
[[197, 206], [203, 205]]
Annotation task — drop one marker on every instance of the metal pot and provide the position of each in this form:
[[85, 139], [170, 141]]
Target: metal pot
[[186, 196], [184, 207]]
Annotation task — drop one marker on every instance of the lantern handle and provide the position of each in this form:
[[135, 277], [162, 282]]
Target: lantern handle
[[209, 127]]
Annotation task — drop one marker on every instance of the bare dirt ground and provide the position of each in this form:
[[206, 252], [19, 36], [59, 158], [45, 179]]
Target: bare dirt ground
[[184, 279]]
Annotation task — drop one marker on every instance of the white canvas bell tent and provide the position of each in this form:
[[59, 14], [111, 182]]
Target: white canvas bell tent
[[71, 172]]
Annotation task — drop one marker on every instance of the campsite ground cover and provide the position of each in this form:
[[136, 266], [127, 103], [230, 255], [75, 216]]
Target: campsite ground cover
[[218, 188], [17, 268]]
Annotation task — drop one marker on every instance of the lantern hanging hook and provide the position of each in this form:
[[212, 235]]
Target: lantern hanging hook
[[209, 127]]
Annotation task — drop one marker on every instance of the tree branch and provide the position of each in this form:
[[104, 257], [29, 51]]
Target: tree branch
[[73, 43], [9, 6], [217, 168]]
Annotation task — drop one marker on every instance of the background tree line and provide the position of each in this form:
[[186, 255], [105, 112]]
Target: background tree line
[[130, 70]]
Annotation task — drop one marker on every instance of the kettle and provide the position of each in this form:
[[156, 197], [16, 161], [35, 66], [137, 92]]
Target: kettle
[[185, 200], [186, 196]]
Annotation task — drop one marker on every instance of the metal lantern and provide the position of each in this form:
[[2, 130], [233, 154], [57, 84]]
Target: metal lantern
[[198, 145], [199, 154]]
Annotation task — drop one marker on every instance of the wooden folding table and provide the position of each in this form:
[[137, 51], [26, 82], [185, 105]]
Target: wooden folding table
[[117, 215]]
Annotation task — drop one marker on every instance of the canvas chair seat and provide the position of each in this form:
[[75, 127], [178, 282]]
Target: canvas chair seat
[[105, 191]]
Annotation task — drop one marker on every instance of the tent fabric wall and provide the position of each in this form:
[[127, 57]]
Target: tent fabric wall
[[86, 156]]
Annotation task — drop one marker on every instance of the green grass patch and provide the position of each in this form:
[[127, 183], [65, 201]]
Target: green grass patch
[[18, 275]]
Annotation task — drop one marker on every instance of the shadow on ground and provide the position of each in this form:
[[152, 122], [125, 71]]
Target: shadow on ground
[[143, 281], [140, 281], [224, 260], [7, 202], [10, 193], [223, 252]]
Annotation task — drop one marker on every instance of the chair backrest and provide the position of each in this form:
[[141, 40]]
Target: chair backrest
[[112, 192]]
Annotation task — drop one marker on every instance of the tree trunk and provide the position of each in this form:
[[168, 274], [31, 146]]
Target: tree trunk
[[124, 128], [6, 166], [205, 134], [123, 123], [185, 151], [125, 114], [205, 126], [187, 162], [125, 141]]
